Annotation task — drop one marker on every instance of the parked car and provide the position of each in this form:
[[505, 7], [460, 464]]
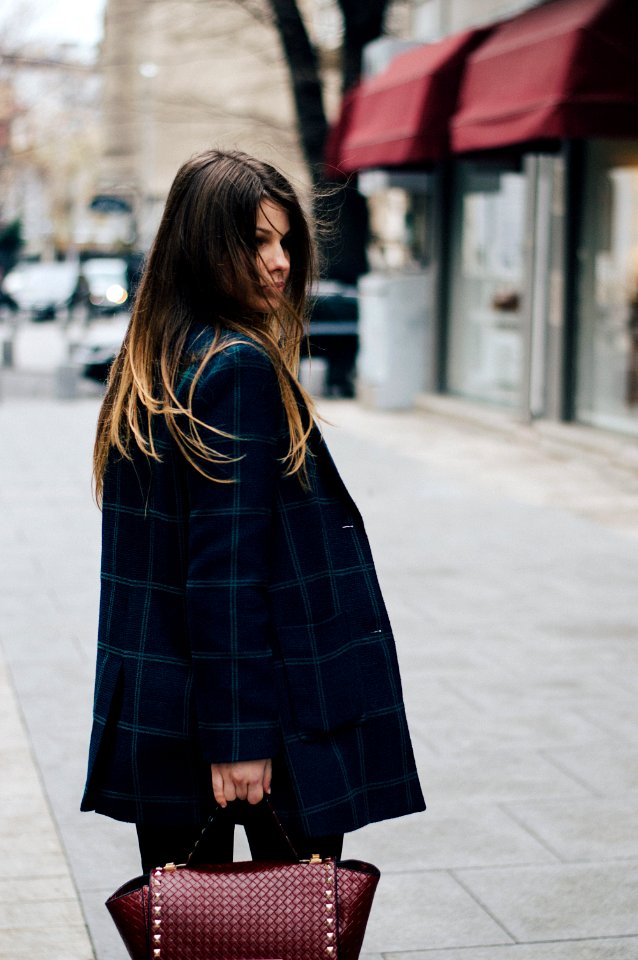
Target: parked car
[[43, 290], [106, 284], [332, 333], [99, 345]]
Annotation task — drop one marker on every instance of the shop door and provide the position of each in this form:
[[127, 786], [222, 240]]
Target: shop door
[[486, 347], [607, 303]]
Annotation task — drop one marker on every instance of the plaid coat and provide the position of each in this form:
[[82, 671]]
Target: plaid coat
[[240, 621]]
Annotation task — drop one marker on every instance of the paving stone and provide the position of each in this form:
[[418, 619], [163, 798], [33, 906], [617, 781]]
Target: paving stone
[[65, 789], [18, 831], [106, 939], [616, 949], [18, 773], [532, 680], [41, 863], [434, 657], [617, 717], [559, 902], [39, 912], [46, 943], [103, 853], [524, 725], [418, 911], [583, 829], [31, 805], [447, 836], [432, 703], [496, 775], [43, 913], [607, 771], [12, 730], [34, 889]]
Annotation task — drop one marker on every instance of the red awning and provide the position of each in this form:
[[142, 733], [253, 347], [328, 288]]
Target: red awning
[[334, 143], [400, 117], [566, 69]]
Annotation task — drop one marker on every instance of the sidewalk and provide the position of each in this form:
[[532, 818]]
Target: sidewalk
[[39, 911], [510, 569]]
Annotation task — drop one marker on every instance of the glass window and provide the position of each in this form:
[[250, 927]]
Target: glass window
[[400, 232], [607, 381], [485, 339]]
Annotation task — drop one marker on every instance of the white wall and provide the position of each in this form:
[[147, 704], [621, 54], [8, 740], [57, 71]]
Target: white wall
[[433, 19]]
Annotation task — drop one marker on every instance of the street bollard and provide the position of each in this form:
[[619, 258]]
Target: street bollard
[[313, 375], [66, 381], [7, 352]]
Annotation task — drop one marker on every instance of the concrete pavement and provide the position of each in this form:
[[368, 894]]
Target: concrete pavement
[[510, 567]]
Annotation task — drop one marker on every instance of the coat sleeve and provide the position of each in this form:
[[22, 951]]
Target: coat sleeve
[[229, 543]]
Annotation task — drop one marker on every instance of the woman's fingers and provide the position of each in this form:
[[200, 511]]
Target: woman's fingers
[[218, 784], [267, 776], [224, 787], [241, 790], [230, 791], [246, 780], [254, 793]]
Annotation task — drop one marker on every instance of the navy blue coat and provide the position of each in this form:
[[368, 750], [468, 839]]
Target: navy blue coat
[[240, 621]]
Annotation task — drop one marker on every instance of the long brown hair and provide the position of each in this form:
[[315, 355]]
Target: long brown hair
[[202, 262]]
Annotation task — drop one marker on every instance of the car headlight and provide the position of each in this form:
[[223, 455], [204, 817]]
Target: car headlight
[[116, 293]]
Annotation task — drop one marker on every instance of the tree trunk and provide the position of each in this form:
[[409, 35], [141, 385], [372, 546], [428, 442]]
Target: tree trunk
[[362, 23], [303, 65]]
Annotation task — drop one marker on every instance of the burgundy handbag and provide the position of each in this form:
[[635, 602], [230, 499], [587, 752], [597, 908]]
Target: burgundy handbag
[[309, 910]]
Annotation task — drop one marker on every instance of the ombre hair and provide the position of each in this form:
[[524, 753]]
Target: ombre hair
[[200, 267]]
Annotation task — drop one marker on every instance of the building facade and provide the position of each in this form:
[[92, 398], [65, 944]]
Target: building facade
[[513, 252], [49, 145], [184, 75], [181, 76]]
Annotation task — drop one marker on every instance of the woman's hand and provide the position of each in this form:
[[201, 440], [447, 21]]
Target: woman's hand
[[245, 780]]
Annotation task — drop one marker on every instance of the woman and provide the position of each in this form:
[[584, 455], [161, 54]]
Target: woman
[[244, 648]]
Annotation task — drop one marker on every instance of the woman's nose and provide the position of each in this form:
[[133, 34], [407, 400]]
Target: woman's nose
[[279, 259]]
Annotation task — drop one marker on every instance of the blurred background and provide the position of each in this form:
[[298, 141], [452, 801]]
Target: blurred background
[[478, 310], [485, 154]]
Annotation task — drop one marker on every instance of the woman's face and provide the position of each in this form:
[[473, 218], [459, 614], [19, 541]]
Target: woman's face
[[272, 230]]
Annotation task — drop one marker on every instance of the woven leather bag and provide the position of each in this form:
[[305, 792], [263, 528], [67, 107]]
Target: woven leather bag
[[309, 910]]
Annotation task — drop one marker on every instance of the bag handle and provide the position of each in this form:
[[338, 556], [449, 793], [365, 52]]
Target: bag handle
[[265, 803]]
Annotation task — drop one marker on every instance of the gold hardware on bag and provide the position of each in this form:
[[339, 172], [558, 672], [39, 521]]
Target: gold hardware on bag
[[315, 858]]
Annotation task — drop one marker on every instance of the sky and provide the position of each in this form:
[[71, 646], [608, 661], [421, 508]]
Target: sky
[[74, 21]]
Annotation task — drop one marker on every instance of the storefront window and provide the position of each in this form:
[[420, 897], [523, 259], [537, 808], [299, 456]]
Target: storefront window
[[607, 381], [400, 227], [485, 339]]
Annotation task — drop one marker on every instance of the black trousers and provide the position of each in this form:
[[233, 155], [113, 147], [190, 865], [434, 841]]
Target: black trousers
[[160, 844]]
